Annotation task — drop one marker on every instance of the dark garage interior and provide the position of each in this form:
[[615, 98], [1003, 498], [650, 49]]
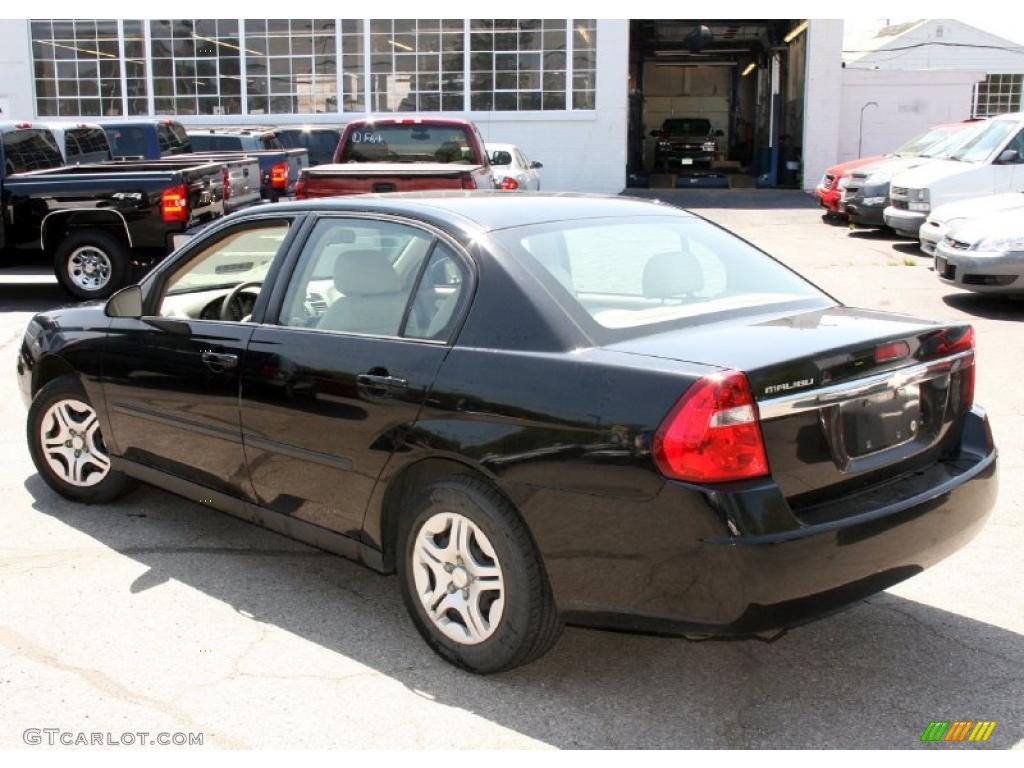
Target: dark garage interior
[[737, 83]]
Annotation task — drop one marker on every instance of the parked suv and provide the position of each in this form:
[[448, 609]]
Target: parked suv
[[685, 141], [989, 161]]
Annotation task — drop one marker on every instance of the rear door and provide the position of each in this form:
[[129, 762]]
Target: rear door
[[334, 378]]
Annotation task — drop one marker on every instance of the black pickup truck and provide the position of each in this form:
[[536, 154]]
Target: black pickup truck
[[95, 220]]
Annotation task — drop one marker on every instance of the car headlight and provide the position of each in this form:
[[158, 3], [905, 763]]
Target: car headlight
[[1000, 243], [918, 195], [709, 146]]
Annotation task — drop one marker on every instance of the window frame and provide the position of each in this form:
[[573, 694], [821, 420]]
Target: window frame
[[291, 265]]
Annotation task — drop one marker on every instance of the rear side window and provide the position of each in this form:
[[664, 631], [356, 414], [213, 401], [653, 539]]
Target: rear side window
[[86, 145], [629, 273], [369, 277], [127, 140], [30, 149], [408, 144]]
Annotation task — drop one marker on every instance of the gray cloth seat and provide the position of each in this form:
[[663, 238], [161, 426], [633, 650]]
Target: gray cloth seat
[[372, 299], [672, 275]]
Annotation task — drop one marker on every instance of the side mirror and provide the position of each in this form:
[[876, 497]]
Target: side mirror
[[535, 164], [719, 133], [125, 303], [1008, 157]]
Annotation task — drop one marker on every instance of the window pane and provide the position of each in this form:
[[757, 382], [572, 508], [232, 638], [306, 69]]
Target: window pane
[[355, 277]]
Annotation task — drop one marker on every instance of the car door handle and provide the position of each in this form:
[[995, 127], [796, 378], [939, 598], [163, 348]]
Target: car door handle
[[379, 384], [218, 362]]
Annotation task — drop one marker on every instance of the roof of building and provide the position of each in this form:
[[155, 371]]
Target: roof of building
[[931, 44]]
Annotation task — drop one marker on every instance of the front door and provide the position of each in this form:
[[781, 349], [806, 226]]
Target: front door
[[171, 377], [330, 391]]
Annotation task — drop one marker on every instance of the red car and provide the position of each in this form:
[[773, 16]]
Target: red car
[[828, 191]]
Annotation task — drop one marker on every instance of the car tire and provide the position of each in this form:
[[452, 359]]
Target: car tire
[[505, 616], [91, 264], [66, 444]]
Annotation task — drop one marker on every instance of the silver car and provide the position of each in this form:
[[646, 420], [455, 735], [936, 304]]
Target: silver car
[[984, 254]]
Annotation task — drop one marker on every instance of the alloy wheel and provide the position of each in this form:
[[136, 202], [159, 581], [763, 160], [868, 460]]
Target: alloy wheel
[[89, 268]]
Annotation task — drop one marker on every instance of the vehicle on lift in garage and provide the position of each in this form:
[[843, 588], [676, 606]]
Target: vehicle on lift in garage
[[537, 408], [685, 142]]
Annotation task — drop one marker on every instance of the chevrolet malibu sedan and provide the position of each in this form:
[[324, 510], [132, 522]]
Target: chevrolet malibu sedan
[[536, 409], [945, 217], [984, 254]]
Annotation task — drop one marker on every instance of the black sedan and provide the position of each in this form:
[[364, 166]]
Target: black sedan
[[537, 409]]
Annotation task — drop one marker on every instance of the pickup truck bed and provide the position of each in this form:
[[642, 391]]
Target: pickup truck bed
[[279, 168]]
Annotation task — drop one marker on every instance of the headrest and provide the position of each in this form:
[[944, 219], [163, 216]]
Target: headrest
[[365, 273], [672, 274]]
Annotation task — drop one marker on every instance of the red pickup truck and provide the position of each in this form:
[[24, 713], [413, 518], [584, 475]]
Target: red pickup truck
[[405, 154]]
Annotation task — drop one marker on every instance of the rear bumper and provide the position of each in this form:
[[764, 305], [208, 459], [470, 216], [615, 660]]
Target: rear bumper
[[906, 223], [743, 584]]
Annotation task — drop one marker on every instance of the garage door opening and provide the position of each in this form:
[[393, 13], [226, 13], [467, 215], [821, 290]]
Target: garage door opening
[[716, 103]]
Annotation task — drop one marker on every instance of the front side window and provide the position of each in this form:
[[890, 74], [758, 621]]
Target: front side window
[[198, 288], [979, 146], [629, 273], [370, 278]]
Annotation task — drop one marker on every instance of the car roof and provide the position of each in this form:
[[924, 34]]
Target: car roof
[[488, 210]]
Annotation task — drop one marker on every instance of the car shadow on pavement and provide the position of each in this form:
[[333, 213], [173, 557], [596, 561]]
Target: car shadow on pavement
[[871, 676], [31, 296], [987, 306]]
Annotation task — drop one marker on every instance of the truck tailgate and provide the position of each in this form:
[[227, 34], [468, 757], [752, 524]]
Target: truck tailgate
[[363, 178]]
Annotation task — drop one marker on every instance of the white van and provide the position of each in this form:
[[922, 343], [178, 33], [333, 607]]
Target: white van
[[989, 160]]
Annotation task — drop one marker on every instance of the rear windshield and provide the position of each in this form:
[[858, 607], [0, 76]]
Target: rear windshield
[[30, 149], [636, 272], [173, 139], [206, 142], [688, 126], [127, 140], [408, 144], [270, 141], [86, 145]]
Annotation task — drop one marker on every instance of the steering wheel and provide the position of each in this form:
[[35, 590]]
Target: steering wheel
[[231, 298]]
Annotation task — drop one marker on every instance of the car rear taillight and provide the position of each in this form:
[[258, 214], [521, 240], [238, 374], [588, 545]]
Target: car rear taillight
[[279, 175], [953, 341], [468, 182], [174, 204], [893, 350], [300, 188], [509, 183], [712, 434], [225, 180]]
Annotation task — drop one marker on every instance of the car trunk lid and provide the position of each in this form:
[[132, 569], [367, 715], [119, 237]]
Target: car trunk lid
[[844, 394]]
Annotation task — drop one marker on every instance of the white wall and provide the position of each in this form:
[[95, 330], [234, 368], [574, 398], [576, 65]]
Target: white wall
[[822, 96], [908, 103], [15, 64]]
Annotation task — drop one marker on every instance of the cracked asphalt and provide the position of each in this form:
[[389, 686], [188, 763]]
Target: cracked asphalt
[[158, 614]]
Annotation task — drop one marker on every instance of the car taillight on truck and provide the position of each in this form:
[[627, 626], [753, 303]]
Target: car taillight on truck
[[300, 187], [468, 182], [508, 183], [712, 434], [279, 175], [174, 204], [225, 180]]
